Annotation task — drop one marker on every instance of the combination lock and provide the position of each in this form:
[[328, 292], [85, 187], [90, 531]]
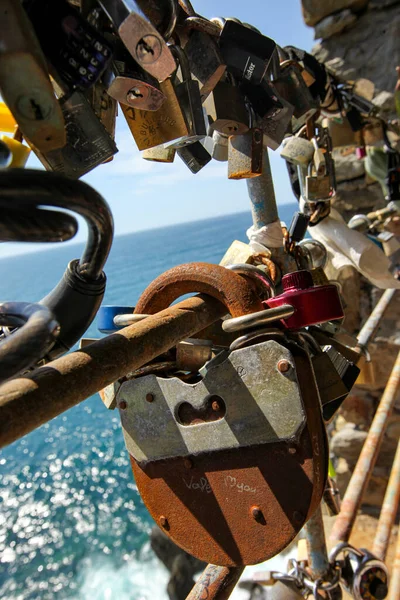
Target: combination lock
[[75, 49]]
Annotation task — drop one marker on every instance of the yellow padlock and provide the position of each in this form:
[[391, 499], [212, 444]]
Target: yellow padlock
[[20, 152], [7, 122]]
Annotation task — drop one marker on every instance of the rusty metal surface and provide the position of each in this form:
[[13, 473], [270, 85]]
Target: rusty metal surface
[[394, 590], [353, 497], [30, 401], [389, 510], [229, 288], [318, 560], [201, 24], [241, 506], [215, 583], [371, 326]]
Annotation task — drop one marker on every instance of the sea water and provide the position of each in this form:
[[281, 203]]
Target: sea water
[[72, 524]]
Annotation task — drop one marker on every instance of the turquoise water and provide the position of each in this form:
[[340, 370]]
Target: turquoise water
[[72, 524]]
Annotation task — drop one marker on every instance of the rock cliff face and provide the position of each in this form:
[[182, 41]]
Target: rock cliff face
[[360, 38]]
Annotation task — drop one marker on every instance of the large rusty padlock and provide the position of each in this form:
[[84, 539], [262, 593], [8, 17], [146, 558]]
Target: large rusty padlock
[[232, 466]]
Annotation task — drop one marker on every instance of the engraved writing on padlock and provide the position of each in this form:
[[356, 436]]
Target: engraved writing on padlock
[[159, 154], [24, 81], [195, 156], [205, 455], [298, 151], [88, 142], [151, 129], [141, 38], [104, 107], [245, 155], [205, 61]]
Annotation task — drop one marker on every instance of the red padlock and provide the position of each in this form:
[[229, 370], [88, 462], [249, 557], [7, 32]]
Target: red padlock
[[312, 304]]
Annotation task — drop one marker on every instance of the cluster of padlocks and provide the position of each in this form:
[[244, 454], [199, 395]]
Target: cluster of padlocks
[[226, 432]]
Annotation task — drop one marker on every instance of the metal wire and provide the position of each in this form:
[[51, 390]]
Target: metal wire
[[257, 319], [27, 190]]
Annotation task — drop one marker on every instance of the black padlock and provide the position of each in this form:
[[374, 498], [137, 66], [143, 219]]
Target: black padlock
[[226, 110], [76, 51], [246, 53], [205, 61], [393, 176], [195, 156], [298, 227]]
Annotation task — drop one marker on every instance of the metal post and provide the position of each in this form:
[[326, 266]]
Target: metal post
[[354, 494], [371, 326], [318, 559], [394, 590], [216, 583], [389, 510], [29, 401], [262, 196]]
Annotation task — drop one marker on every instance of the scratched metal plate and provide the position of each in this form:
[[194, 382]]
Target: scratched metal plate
[[206, 502], [262, 404]]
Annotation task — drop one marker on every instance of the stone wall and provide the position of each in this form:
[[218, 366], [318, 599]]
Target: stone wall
[[360, 38]]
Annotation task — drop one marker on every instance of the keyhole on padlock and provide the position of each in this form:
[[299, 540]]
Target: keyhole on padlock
[[213, 409], [134, 94]]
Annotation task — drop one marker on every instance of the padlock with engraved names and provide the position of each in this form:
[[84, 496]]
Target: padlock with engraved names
[[246, 53], [316, 188], [88, 142], [245, 154], [297, 151], [133, 86], [226, 110], [292, 87], [77, 52], [145, 44], [24, 82], [195, 156], [188, 95], [205, 61], [151, 129], [159, 154]]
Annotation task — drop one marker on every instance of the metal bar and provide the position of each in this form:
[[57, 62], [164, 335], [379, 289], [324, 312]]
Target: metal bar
[[394, 590], [389, 510], [216, 583], [29, 401], [262, 196], [318, 559], [371, 326], [352, 499]]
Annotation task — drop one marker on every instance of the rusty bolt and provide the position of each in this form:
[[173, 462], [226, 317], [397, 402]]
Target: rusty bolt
[[163, 521], [149, 397], [215, 405], [256, 512], [188, 463], [283, 366], [148, 49], [298, 517], [122, 405]]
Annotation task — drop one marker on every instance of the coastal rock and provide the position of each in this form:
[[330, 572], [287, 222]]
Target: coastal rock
[[334, 24], [358, 409], [371, 49], [347, 443], [381, 4], [315, 10], [347, 165], [355, 196], [385, 102]]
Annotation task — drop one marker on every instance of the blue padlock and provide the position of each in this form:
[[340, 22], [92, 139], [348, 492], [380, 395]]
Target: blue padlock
[[106, 314]]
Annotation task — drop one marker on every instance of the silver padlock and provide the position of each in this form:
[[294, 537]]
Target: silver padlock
[[298, 151], [363, 575]]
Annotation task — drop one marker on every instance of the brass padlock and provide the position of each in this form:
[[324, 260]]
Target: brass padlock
[[24, 81], [219, 463], [150, 129]]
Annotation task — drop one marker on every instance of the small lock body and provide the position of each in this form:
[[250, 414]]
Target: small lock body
[[292, 87], [205, 60], [150, 129], [298, 151], [145, 44], [195, 156], [226, 110], [245, 155], [104, 107], [275, 127], [88, 142], [159, 154], [208, 457], [24, 82]]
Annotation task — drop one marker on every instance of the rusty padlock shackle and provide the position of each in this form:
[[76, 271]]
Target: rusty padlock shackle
[[228, 287]]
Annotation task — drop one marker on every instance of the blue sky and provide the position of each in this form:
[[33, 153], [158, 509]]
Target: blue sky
[[144, 195]]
